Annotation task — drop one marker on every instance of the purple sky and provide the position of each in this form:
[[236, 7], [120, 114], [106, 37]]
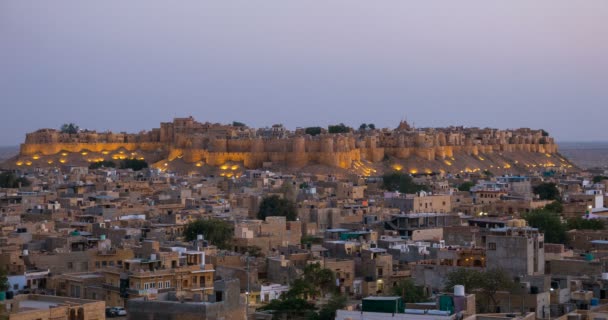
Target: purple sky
[[128, 65]]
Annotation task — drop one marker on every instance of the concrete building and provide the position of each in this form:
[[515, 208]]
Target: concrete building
[[519, 251], [38, 307], [225, 303]]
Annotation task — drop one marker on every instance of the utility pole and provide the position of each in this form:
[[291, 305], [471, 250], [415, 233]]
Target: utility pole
[[248, 291]]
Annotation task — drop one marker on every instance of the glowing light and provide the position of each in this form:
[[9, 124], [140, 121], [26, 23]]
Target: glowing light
[[64, 154], [447, 162], [105, 152], [234, 167], [428, 171], [141, 158], [224, 167], [50, 162], [507, 166], [84, 153], [28, 163], [62, 160], [36, 157], [481, 158], [19, 163], [166, 164], [398, 167], [413, 171], [199, 164]]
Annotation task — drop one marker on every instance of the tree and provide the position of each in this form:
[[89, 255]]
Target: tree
[[313, 131], [408, 291], [104, 164], [134, 164], [338, 128], [276, 206], [489, 282], [401, 182], [466, 186], [10, 180], [329, 310], [217, 232], [549, 223], [547, 191], [254, 251], [4, 285], [238, 124], [362, 127], [598, 179], [555, 206], [371, 126], [69, 128], [584, 224]]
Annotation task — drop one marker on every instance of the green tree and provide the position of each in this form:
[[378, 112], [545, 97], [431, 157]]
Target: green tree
[[329, 310], [217, 232], [408, 291], [277, 206], [598, 179], [9, 179], [555, 206], [70, 128], [371, 126], [313, 131], [238, 124], [489, 282], [338, 128], [584, 224], [104, 164], [549, 223], [4, 285], [362, 127], [134, 164], [466, 186], [401, 182], [547, 191], [254, 251]]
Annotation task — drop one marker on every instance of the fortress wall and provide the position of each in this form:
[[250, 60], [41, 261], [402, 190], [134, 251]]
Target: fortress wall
[[276, 145], [218, 145], [55, 148], [240, 145], [313, 146]]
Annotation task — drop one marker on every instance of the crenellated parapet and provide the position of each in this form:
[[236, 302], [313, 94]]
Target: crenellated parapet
[[215, 144]]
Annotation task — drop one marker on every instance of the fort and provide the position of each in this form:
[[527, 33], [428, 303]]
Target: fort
[[405, 147]]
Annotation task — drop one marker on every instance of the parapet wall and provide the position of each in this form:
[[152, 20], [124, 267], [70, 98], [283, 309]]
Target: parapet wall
[[216, 144]]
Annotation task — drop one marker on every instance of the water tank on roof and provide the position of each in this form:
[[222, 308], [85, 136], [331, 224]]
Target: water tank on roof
[[102, 237], [459, 290]]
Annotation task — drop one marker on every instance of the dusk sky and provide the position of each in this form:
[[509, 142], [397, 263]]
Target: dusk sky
[[129, 65]]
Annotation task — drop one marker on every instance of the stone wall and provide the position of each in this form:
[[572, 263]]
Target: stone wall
[[216, 144]]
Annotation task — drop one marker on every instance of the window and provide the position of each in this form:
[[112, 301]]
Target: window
[[146, 286], [167, 284], [70, 265], [492, 246], [540, 245], [160, 284]]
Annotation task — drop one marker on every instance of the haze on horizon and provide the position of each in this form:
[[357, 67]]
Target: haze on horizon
[[127, 66]]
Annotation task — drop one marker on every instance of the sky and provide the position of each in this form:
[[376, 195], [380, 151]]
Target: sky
[[129, 65]]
